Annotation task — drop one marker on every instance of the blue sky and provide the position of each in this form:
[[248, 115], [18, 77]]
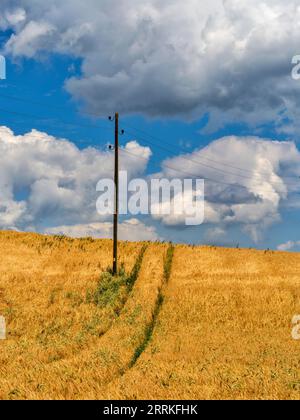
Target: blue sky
[[48, 88]]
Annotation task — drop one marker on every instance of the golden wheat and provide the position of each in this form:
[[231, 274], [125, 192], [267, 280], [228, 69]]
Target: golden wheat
[[43, 286], [222, 330]]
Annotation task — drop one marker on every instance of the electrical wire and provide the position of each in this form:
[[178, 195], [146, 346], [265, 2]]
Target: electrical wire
[[203, 177], [203, 157]]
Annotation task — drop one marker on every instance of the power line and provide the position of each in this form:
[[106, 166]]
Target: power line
[[194, 175], [167, 166], [30, 101], [200, 163], [116, 212], [42, 119], [56, 107], [145, 133], [36, 117], [204, 157]]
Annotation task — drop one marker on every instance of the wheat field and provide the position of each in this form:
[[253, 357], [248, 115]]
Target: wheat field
[[178, 323]]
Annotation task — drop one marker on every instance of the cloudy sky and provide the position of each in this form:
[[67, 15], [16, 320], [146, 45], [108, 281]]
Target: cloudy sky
[[203, 88]]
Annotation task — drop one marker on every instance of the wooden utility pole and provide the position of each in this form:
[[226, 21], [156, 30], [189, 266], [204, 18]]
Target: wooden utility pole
[[116, 210]]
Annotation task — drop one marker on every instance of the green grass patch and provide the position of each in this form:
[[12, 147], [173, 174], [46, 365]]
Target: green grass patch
[[168, 262], [112, 291]]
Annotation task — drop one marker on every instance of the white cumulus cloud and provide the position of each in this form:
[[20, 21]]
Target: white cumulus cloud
[[288, 246], [248, 179], [45, 181], [163, 57], [131, 229], [49, 185]]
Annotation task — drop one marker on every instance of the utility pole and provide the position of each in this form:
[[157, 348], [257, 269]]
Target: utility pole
[[116, 209]]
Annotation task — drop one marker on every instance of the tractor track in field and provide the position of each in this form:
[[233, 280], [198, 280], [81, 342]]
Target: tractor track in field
[[120, 347], [158, 305], [133, 276]]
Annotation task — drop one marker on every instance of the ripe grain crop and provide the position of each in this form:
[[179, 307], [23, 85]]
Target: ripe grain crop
[[44, 283], [224, 330], [193, 323]]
